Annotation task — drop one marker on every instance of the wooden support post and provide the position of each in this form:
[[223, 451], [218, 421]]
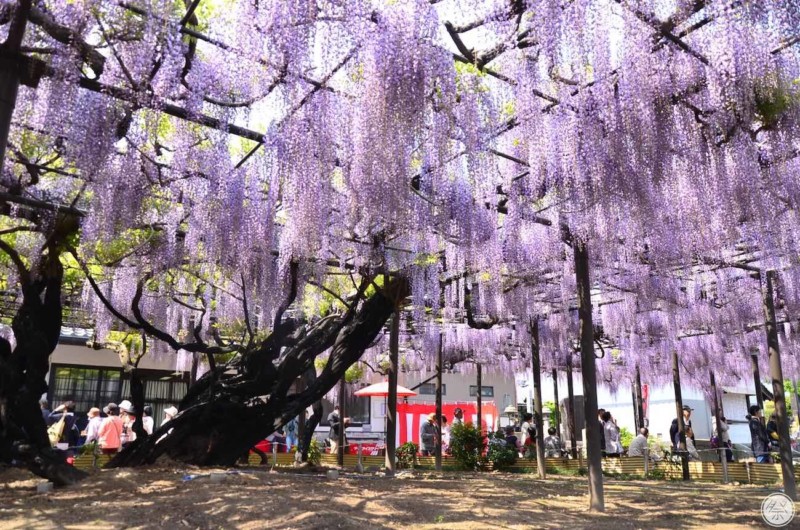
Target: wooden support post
[[391, 400], [571, 411], [537, 396], [638, 406], [796, 399], [479, 395], [676, 383], [776, 374], [588, 370], [757, 379], [723, 457], [438, 449], [557, 412], [342, 413]]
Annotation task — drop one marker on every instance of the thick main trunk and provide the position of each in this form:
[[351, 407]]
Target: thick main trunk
[[36, 326], [226, 418]]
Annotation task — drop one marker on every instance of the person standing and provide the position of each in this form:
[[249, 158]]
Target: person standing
[[600, 413], [611, 435], [427, 436], [110, 434], [128, 416], [458, 416], [45, 410], [70, 434], [445, 435], [290, 431], [690, 448], [92, 431], [333, 434], [726, 438], [528, 433], [169, 413], [759, 438], [512, 440], [147, 419], [674, 430], [552, 444]]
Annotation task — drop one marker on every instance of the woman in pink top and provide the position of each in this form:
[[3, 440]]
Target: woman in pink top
[[111, 430]]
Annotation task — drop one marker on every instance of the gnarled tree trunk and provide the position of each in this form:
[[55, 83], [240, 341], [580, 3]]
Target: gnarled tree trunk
[[37, 327], [223, 415]]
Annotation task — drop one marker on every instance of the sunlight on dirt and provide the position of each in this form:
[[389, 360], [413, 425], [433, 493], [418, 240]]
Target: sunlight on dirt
[[254, 498]]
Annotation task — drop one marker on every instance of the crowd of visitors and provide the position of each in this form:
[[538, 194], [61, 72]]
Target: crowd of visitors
[[110, 430]]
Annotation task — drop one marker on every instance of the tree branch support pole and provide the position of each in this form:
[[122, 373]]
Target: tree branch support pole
[[391, 400], [776, 374], [438, 448], [571, 411], [342, 412], [537, 396], [479, 397], [588, 370], [557, 412], [638, 400], [718, 414], [676, 383], [757, 379]]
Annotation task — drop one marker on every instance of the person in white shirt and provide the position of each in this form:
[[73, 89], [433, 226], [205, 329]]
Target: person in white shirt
[[169, 413], [611, 433], [693, 454], [639, 444], [93, 427], [147, 419], [726, 438]]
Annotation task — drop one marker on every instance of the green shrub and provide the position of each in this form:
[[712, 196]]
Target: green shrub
[[625, 437], [500, 454], [406, 455], [314, 452], [467, 444]]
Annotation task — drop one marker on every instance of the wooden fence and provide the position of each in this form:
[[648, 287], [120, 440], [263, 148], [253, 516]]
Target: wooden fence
[[743, 472]]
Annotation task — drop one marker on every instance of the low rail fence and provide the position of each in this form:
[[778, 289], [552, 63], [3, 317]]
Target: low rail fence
[[634, 467]]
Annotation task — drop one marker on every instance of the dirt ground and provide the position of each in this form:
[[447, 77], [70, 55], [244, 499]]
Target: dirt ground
[[255, 498]]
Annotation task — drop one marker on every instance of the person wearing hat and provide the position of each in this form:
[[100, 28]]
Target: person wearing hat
[[169, 413], [674, 431], [128, 415], [427, 435], [110, 434], [759, 437], [92, 431]]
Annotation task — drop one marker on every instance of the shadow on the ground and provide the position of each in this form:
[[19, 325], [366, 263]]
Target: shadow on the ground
[[256, 498]]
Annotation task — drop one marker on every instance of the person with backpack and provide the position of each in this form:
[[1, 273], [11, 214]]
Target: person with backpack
[[63, 428]]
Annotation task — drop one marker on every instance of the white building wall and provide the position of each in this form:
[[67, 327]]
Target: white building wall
[[662, 404]]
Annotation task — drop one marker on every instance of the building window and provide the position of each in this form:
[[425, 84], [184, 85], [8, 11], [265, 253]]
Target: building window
[[97, 386], [429, 389], [87, 387], [355, 408], [486, 391], [160, 391]]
